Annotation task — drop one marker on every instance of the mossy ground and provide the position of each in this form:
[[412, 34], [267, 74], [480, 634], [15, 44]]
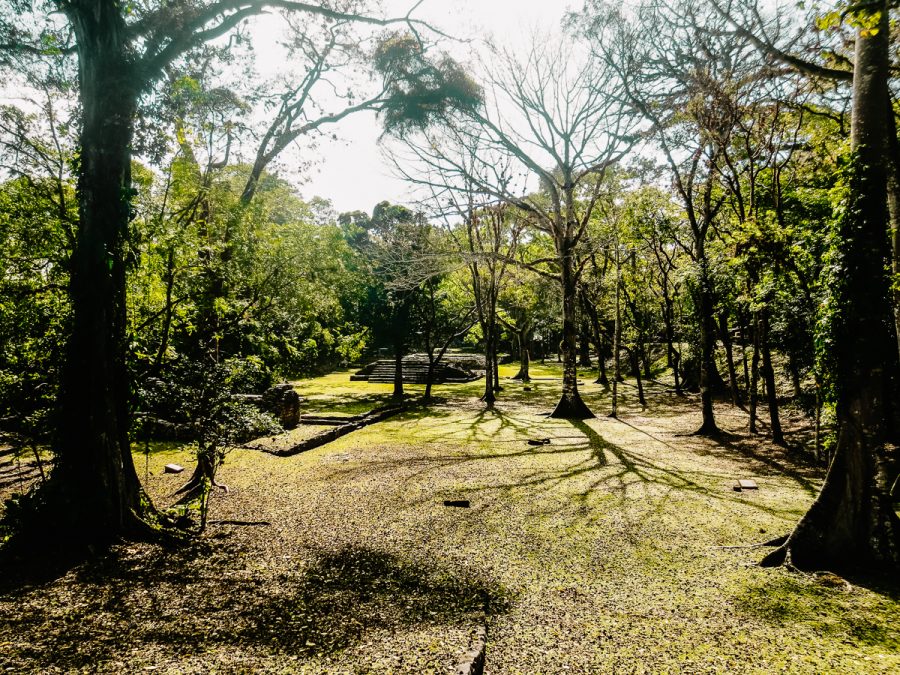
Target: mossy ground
[[601, 551]]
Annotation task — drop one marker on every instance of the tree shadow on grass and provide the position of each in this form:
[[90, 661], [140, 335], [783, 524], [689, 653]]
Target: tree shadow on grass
[[485, 426], [633, 465], [195, 600], [607, 467], [778, 462]]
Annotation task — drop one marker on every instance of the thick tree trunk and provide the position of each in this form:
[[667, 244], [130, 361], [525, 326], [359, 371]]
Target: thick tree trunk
[[852, 522], [570, 405], [96, 490]]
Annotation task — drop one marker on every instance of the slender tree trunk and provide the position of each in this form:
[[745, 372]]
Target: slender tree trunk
[[743, 328], [707, 344], [429, 379], [489, 396], [617, 339], [725, 336], [522, 337], [676, 372], [599, 342], [754, 374], [496, 361], [768, 372], [794, 370], [818, 423], [98, 496], [167, 317], [893, 174], [673, 356], [670, 346], [637, 374], [852, 522], [584, 347], [397, 394], [617, 328], [602, 377], [489, 392], [570, 405]]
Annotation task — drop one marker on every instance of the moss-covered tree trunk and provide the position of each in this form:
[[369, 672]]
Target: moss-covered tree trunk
[[95, 492], [852, 522]]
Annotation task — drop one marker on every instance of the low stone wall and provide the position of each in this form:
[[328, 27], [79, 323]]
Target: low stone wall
[[330, 435]]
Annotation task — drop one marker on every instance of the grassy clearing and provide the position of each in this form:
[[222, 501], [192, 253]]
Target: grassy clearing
[[595, 553]]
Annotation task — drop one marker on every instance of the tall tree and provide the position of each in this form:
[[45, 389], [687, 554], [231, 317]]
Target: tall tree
[[675, 81], [852, 521], [552, 116], [122, 52]]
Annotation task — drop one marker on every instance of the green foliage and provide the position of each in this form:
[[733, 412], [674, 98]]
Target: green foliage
[[34, 310], [420, 91]]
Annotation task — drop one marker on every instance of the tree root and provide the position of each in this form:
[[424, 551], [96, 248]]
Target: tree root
[[777, 541], [708, 431], [161, 529], [195, 483], [572, 408]]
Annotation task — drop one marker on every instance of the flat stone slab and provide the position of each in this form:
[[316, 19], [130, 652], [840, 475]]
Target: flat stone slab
[[173, 468], [745, 484]]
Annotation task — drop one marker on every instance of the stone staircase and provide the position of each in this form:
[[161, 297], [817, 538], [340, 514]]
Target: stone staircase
[[415, 371]]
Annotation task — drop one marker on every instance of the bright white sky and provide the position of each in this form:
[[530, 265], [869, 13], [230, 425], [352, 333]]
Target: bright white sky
[[353, 175]]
